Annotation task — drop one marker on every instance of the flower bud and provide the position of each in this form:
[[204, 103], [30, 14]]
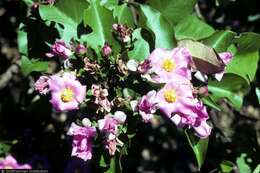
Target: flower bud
[[106, 50]]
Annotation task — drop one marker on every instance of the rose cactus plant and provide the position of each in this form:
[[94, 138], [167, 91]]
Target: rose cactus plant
[[123, 62]]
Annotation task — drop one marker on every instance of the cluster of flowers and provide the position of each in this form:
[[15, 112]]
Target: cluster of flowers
[[176, 99], [10, 163], [168, 68]]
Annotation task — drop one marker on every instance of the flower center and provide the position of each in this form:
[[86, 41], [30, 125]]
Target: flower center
[[170, 95], [67, 95], [8, 167], [168, 65]]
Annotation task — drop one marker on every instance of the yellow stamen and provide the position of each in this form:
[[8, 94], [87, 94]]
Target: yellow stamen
[[8, 167], [168, 65], [170, 95], [67, 95]]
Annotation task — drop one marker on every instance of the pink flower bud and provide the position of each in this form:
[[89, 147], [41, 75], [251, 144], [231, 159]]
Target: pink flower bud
[[41, 85], [106, 50], [80, 49], [59, 49]]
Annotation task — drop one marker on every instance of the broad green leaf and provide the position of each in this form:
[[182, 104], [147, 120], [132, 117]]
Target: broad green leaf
[[226, 166], [205, 58], [199, 147], [192, 28], [220, 40], [209, 102], [100, 20], [248, 42], [219, 93], [173, 10], [141, 47], [257, 91], [109, 4], [29, 66], [257, 169], [162, 30], [242, 165], [29, 2], [244, 65], [67, 14], [124, 15], [22, 41], [112, 168], [4, 148]]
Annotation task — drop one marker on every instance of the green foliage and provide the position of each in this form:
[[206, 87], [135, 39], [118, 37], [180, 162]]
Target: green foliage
[[100, 20], [248, 42], [257, 91], [232, 87], [242, 165], [141, 47], [4, 148], [193, 28], [67, 14], [22, 41], [244, 65], [199, 147], [32, 65], [173, 10], [220, 40], [162, 30], [124, 15], [226, 166]]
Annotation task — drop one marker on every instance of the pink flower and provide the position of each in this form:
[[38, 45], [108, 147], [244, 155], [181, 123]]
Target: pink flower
[[82, 141], [67, 92], [101, 97], [144, 67], [170, 65], [10, 163], [147, 106], [226, 57], [109, 124], [172, 97], [123, 32], [106, 50], [59, 49], [80, 49], [41, 85]]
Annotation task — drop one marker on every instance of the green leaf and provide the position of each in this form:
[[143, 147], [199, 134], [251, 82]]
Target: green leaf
[[29, 66], [22, 41], [193, 28], [141, 47], [226, 166], [244, 65], [100, 20], [4, 148], [257, 169], [210, 102], [162, 30], [257, 91], [29, 2], [67, 14], [242, 165], [199, 147], [109, 4], [173, 10], [220, 93], [220, 40], [124, 15], [205, 58], [248, 42]]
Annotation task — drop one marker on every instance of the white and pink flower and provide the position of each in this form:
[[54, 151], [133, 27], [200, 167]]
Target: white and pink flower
[[66, 91], [82, 141], [10, 163]]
